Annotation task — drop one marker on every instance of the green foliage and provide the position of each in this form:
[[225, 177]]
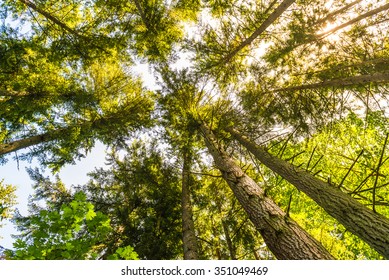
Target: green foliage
[[126, 253], [218, 216], [330, 154], [75, 231], [141, 195], [69, 78], [7, 201]]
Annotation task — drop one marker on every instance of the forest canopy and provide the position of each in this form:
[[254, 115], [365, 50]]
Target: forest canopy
[[263, 133]]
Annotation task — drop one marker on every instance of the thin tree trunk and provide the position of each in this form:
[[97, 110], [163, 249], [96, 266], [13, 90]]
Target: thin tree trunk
[[49, 17], [142, 15], [61, 24], [315, 37], [354, 20], [6, 148], [188, 230], [12, 93], [371, 227], [229, 241], [331, 15], [284, 237], [349, 81], [256, 255], [86, 127], [272, 17]]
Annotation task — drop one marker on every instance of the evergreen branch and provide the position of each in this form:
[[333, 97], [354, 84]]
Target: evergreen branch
[[270, 20], [354, 20], [311, 156], [378, 168], [351, 167]]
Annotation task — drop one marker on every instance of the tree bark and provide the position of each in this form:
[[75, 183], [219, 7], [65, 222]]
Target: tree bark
[[188, 230], [315, 37], [284, 237], [272, 17], [371, 227], [142, 15]]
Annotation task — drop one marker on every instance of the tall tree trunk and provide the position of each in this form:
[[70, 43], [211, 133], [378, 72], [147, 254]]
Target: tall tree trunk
[[255, 253], [188, 230], [314, 37], [6, 148], [284, 237], [349, 81], [272, 17], [371, 227]]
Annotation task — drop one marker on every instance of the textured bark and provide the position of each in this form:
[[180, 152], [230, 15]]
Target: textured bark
[[272, 17], [6, 148], [283, 236], [349, 81], [371, 227], [256, 255], [188, 230]]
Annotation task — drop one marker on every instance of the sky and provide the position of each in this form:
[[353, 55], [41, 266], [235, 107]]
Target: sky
[[70, 175]]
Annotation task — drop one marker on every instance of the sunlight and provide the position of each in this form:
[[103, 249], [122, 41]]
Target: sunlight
[[331, 37], [353, 15]]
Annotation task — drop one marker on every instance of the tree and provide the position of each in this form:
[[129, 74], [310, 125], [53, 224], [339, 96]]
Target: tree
[[75, 231], [7, 201], [331, 198], [278, 231], [120, 102], [188, 231], [141, 194], [246, 69]]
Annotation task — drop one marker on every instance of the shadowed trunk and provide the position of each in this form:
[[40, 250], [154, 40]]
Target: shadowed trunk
[[283, 236], [188, 232], [371, 227], [49, 16], [87, 128], [6, 148]]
